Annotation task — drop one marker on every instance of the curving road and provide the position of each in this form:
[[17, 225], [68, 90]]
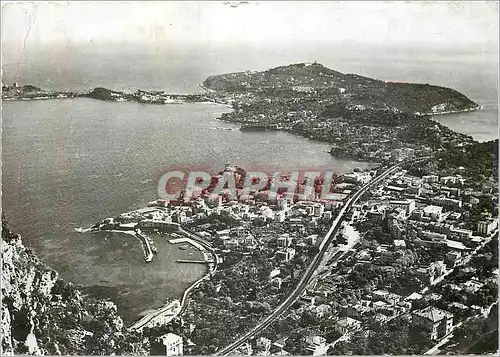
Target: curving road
[[314, 264]]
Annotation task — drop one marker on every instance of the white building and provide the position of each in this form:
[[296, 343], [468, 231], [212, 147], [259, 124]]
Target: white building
[[280, 216], [434, 212], [407, 205], [315, 346], [264, 344], [434, 236], [173, 344], [357, 177], [430, 179], [318, 210], [486, 227], [460, 233], [447, 202], [286, 254]]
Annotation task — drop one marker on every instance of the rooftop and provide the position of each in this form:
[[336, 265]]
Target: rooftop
[[433, 314], [433, 209], [347, 321]]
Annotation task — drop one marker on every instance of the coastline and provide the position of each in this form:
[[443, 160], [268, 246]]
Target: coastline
[[478, 108], [185, 296], [175, 308], [116, 96], [210, 259]]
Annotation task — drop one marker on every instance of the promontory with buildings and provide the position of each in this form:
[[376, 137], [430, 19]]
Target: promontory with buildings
[[402, 259]]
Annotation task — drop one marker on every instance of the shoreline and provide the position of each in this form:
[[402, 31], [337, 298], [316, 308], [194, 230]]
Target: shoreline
[[182, 304], [185, 296], [210, 260], [476, 109], [129, 97]]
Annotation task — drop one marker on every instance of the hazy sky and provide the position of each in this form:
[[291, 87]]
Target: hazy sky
[[218, 23]]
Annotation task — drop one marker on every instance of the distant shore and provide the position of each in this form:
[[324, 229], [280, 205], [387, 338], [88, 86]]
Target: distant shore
[[479, 107], [30, 92]]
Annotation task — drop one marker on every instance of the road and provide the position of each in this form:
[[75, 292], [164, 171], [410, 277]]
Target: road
[[461, 263], [312, 267], [167, 312], [212, 267]]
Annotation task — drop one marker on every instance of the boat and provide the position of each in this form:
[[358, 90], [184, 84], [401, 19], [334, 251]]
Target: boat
[[254, 128], [183, 247]]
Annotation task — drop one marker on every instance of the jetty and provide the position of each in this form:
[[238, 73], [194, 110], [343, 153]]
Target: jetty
[[147, 245], [187, 240], [208, 255], [191, 261]]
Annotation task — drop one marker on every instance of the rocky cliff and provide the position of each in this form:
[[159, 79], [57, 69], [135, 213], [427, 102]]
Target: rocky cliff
[[42, 314]]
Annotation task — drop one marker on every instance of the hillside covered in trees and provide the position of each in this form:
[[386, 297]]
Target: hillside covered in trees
[[347, 90]]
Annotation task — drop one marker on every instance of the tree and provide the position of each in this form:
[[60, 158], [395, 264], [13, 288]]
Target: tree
[[341, 348]]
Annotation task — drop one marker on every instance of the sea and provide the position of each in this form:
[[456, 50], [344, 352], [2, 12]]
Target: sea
[[68, 163]]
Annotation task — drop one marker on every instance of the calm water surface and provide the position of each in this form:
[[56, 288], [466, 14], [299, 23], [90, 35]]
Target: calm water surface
[[68, 163]]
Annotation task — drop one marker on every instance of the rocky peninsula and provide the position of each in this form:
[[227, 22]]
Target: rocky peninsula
[[360, 117]]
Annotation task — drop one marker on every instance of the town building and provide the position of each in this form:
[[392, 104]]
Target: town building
[[315, 346], [396, 154], [263, 344], [399, 244], [407, 205], [318, 210], [355, 311], [274, 273], [460, 234], [487, 226], [430, 179], [434, 236], [348, 324], [245, 349], [450, 203], [280, 216], [437, 321], [357, 177], [433, 212], [286, 254], [284, 241], [170, 344], [452, 258]]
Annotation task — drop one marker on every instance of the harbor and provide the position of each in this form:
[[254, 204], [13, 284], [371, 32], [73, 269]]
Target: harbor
[[207, 256], [173, 309], [141, 223]]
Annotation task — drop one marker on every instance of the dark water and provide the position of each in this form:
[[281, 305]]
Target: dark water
[[68, 163]]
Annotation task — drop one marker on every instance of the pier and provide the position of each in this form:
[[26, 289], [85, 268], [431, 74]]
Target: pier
[[189, 241], [147, 245], [175, 308], [191, 261]]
